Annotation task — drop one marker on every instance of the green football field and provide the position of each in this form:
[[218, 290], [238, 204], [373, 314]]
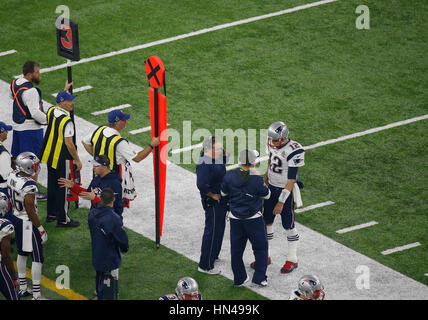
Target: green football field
[[312, 69]]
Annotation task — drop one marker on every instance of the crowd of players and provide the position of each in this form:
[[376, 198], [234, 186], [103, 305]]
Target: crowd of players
[[249, 202]]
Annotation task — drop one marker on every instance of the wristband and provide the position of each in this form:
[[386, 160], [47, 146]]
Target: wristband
[[284, 195], [41, 229]]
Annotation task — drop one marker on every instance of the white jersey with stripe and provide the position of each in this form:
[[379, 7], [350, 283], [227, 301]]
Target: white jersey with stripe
[[19, 187], [171, 296], [280, 159], [6, 228]]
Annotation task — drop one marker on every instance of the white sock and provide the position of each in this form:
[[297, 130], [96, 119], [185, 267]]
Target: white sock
[[36, 273], [21, 263], [269, 234], [292, 239]]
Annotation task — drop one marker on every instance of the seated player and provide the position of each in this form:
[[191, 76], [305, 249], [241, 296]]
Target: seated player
[[309, 288], [8, 277], [187, 289]]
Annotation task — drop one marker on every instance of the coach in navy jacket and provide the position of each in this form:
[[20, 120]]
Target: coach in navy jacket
[[210, 171], [246, 190], [109, 239]]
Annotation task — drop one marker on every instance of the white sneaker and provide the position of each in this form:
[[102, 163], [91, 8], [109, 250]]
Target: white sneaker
[[264, 283], [212, 271], [240, 285]]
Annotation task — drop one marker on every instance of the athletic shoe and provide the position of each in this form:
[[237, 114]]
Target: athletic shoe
[[40, 298], [245, 281], [50, 218], [70, 224], [289, 266], [264, 283], [212, 271], [254, 263], [41, 196], [25, 293]]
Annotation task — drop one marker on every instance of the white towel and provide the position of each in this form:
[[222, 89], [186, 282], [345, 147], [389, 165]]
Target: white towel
[[27, 235], [128, 186], [297, 196]]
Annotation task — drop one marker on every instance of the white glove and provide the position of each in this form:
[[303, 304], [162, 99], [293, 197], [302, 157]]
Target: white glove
[[43, 234]]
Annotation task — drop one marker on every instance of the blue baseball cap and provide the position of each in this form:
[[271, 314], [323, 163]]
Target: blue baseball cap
[[4, 127], [98, 161], [64, 96], [117, 115]]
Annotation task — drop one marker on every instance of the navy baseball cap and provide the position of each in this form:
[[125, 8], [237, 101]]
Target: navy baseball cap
[[64, 96], [4, 127], [117, 115], [98, 161]]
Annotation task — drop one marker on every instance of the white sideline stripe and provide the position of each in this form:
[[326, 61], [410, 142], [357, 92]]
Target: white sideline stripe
[[143, 129], [360, 226], [349, 136], [195, 146], [76, 90], [122, 106], [4, 53], [187, 35], [426, 274], [314, 206], [407, 246]]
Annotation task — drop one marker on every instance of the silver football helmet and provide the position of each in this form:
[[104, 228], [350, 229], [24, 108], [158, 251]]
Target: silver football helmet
[[277, 131], [188, 289], [311, 288], [4, 204], [28, 162]]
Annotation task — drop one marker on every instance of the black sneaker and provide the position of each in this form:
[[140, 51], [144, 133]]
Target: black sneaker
[[70, 224], [41, 196], [50, 218], [25, 293]]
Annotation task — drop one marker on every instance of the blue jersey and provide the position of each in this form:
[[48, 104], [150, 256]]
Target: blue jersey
[[245, 191], [209, 174]]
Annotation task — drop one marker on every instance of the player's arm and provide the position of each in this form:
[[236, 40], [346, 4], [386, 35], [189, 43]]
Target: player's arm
[[88, 148], [147, 150], [30, 208], [6, 256], [73, 151]]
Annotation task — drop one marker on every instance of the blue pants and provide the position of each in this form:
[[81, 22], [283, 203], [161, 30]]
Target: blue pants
[[27, 140], [215, 223], [287, 214], [255, 231], [6, 284], [37, 254]]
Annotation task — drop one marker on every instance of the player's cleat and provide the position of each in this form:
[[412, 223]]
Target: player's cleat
[[40, 298], [289, 266], [212, 271], [70, 224], [24, 293], [254, 263], [245, 281]]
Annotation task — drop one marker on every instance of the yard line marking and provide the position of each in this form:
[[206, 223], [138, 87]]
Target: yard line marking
[[122, 106], [349, 136], [426, 274], [143, 129], [407, 246], [51, 285], [360, 226], [75, 90], [314, 206], [188, 35], [195, 146], [4, 53]]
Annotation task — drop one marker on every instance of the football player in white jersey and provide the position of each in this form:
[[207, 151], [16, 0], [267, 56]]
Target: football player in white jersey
[[309, 288], [30, 234], [285, 157], [8, 277], [187, 289]]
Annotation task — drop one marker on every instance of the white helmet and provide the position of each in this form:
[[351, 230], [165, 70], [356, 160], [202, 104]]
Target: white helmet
[[277, 131], [4, 204], [311, 288], [28, 162], [187, 289]]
